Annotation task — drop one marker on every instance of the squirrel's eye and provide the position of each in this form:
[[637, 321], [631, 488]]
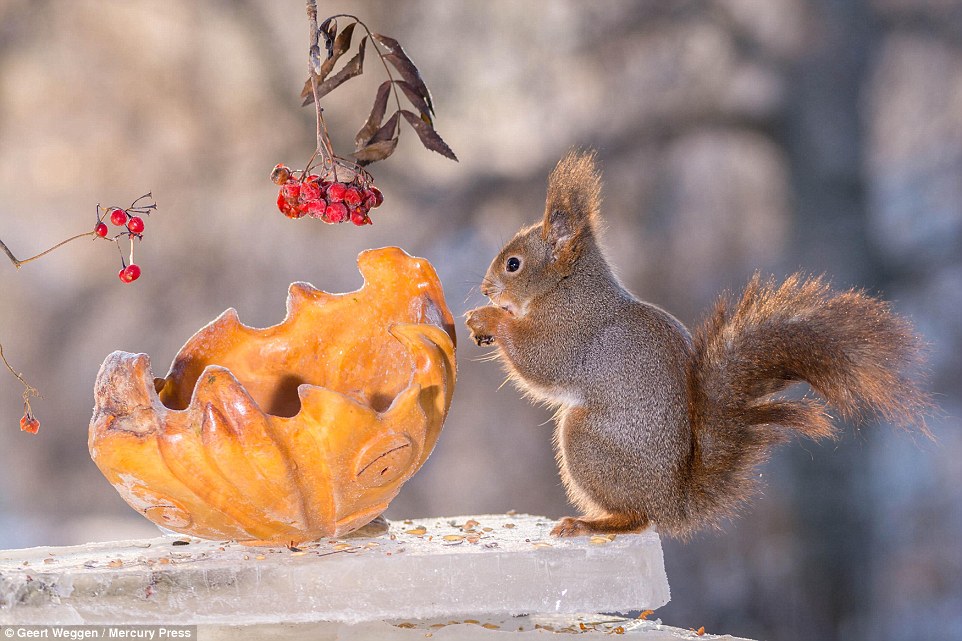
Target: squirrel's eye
[[513, 264]]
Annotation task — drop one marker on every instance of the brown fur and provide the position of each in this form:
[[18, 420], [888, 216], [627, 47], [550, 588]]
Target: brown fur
[[656, 426]]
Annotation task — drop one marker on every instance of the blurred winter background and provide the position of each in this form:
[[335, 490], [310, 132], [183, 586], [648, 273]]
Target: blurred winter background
[[822, 135]]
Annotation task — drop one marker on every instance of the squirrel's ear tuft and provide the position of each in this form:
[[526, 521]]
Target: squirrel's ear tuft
[[573, 206]]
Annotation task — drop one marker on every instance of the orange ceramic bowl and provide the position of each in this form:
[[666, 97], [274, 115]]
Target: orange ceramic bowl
[[291, 433]]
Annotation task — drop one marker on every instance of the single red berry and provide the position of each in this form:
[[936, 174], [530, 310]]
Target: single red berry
[[130, 273], [291, 190], [135, 225], [369, 202], [335, 192], [280, 174], [378, 196], [286, 208], [310, 191], [118, 217], [28, 423], [101, 230], [352, 197], [316, 208], [359, 217], [336, 212]]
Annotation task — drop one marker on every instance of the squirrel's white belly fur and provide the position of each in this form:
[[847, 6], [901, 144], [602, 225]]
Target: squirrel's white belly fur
[[555, 395]]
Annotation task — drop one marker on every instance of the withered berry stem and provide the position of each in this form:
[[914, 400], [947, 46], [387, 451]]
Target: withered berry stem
[[29, 390], [19, 263]]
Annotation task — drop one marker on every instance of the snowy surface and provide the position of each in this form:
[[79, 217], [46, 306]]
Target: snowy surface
[[461, 567]]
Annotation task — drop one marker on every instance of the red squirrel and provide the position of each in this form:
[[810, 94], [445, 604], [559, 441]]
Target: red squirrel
[[659, 426]]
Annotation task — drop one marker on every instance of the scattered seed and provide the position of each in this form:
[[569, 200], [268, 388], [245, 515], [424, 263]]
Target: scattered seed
[[541, 544], [474, 621], [298, 553], [509, 526], [181, 542], [599, 539], [405, 624], [491, 626], [453, 537], [619, 630], [116, 563], [418, 531], [260, 557], [487, 529]]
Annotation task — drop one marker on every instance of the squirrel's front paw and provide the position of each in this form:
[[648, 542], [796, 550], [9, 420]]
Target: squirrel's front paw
[[483, 323]]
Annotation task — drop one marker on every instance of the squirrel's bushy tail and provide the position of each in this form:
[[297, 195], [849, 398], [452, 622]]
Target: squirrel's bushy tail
[[849, 347]]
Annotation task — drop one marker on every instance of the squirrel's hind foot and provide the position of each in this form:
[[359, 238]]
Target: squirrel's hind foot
[[615, 523]]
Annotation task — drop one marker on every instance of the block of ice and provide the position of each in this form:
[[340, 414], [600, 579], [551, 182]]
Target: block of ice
[[449, 567], [503, 628]]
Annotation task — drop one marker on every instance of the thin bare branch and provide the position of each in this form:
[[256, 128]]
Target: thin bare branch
[[18, 263]]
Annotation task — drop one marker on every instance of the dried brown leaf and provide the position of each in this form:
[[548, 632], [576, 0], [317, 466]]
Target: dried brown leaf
[[377, 115], [341, 44], [328, 30], [375, 151], [388, 130], [400, 60], [382, 144], [354, 67], [429, 137], [416, 99]]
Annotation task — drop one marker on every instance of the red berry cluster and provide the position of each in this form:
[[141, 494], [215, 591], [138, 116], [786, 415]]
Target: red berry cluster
[[131, 222], [330, 201]]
